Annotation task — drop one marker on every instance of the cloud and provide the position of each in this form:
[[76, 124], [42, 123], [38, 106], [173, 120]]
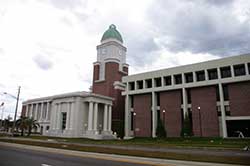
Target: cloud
[[200, 27], [43, 62], [66, 4]]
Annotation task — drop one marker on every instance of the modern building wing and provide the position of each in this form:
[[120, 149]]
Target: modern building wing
[[214, 94]]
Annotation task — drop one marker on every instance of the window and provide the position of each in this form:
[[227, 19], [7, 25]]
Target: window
[[148, 83], [248, 67], [167, 80], [212, 74], [64, 117], [189, 96], [158, 101], [158, 82], [178, 79], [131, 85], [47, 127], [189, 77], [200, 75], [139, 84], [132, 120], [217, 93], [239, 70], [225, 92], [132, 101], [225, 72]]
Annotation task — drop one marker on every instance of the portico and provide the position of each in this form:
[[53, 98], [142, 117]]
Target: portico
[[78, 114]]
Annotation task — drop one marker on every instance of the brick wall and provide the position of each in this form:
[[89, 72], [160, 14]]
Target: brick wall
[[171, 102], [96, 72], [142, 120], [239, 98], [205, 98]]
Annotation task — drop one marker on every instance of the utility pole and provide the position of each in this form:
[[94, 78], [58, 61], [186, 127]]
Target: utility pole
[[17, 100]]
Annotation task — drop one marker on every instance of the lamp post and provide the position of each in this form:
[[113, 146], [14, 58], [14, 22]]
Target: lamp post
[[134, 114], [163, 114], [2, 105], [199, 110], [17, 100]]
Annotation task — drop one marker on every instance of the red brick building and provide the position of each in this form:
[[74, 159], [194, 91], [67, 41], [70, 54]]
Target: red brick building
[[213, 95]]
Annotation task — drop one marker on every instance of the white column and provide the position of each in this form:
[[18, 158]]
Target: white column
[[223, 114], [232, 70], [72, 110], [41, 112], [154, 117], [27, 110], [68, 116], [246, 68], [105, 118], [30, 113], [47, 112], [127, 115], [90, 117], [185, 103], [109, 117], [95, 116], [58, 117], [36, 112]]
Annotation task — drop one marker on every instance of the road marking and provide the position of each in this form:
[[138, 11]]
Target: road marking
[[45, 165]]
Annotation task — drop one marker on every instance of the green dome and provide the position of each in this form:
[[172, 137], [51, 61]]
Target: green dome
[[112, 33]]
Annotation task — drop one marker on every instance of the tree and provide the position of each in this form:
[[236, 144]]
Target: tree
[[160, 130], [31, 123], [186, 128], [22, 124]]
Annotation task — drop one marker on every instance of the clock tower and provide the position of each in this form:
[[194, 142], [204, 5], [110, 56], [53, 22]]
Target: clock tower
[[109, 69]]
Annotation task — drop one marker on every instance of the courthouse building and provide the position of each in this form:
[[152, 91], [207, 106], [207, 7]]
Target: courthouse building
[[214, 95]]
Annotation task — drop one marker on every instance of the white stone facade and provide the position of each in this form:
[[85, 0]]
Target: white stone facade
[[78, 114]]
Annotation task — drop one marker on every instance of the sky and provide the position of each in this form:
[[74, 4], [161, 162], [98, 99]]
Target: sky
[[48, 46]]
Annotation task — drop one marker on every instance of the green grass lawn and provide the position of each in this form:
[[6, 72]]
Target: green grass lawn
[[218, 143]]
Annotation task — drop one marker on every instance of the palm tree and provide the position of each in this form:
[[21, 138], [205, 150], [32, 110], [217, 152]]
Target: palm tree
[[31, 123], [22, 124]]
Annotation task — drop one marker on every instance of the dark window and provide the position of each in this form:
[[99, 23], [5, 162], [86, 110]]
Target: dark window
[[200, 75], [132, 120], [239, 70], [158, 115], [158, 82], [225, 72], [140, 84], [189, 96], [225, 92], [177, 79], [148, 83], [212, 74], [132, 86], [132, 101], [47, 127], [248, 67], [158, 99], [64, 117], [217, 93], [189, 77], [167, 80]]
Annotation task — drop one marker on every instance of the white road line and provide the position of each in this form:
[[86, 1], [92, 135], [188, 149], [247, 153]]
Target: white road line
[[45, 165]]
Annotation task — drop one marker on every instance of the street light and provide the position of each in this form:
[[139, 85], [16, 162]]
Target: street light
[[2, 105], [199, 109], [17, 100], [163, 114], [134, 114]]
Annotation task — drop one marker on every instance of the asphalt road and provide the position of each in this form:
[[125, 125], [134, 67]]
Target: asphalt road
[[10, 156]]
